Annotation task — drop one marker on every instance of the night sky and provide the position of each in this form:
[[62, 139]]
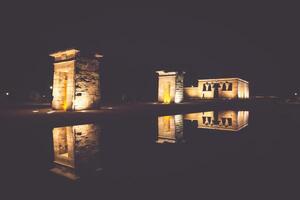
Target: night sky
[[256, 42]]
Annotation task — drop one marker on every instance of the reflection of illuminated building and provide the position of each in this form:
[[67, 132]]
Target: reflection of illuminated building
[[220, 120], [170, 87], [224, 88], [75, 150], [170, 129], [76, 81]]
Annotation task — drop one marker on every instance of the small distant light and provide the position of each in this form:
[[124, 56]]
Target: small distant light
[[98, 55], [51, 111], [44, 96], [110, 108], [296, 94], [7, 93], [51, 87], [35, 111]]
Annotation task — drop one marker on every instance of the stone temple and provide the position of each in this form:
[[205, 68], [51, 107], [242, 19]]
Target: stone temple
[[224, 88], [170, 87], [76, 81]]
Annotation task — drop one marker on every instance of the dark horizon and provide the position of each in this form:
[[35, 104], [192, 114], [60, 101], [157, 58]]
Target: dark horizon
[[256, 42]]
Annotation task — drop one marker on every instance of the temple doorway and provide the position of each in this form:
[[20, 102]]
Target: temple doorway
[[62, 86], [167, 93], [216, 87]]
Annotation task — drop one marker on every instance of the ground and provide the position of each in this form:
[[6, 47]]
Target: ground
[[45, 113]]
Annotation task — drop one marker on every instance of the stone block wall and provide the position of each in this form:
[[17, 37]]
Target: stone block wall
[[228, 94], [243, 90], [208, 92], [87, 84], [228, 88], [192, 92], [179, 88]]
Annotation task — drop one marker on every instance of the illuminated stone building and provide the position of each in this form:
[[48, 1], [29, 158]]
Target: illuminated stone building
[[170, 87], [220, 120], [76, 81], [224, 88], [170, 129], [76, 150]]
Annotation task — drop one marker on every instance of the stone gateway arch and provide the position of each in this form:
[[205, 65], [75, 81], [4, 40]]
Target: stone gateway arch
[[76, 81], [170, 87]]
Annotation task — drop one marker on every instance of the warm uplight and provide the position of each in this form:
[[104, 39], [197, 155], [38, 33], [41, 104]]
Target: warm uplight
[[35, 111], [65, 104], [82, 103], [51, 111], [167, 98], [166, 92]]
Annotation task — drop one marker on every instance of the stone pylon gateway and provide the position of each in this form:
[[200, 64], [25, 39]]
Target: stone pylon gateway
[[76, 81], [170, 87]]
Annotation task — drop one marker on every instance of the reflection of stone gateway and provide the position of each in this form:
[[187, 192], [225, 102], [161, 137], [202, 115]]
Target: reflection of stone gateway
[[170, 87], [227, 88], [170, 129], [220, 120], [76, 149], [76, 81]]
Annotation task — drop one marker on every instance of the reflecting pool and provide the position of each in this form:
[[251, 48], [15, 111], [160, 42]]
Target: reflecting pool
[[213, 153]]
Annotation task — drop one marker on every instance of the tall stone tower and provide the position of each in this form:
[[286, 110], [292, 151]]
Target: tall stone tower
[[170, 87], [76, 81]]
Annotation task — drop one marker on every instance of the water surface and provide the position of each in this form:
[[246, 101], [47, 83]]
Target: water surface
[[215, 153]]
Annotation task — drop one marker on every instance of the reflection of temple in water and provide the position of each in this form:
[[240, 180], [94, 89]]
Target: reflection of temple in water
[[170, 129], [220, 120], [75, 150]]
